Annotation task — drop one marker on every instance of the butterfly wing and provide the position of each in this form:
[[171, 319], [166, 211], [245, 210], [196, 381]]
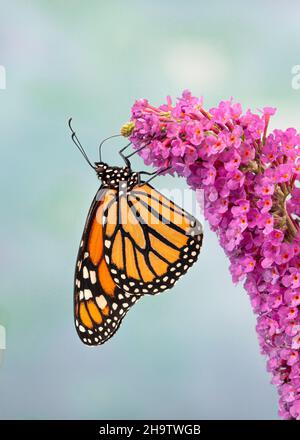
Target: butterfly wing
[[99, 304], [149, 241]]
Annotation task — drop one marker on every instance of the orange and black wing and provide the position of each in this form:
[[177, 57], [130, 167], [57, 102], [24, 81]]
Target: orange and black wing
[[99, 304], [149, 241]]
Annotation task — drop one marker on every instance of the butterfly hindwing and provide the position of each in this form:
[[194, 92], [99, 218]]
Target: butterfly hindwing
[[99, 304]]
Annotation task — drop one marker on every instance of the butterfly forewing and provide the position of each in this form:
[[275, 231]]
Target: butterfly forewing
[[149, 241]]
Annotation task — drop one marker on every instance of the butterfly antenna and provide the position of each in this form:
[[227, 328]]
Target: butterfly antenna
[[78, 144], [104, 140]]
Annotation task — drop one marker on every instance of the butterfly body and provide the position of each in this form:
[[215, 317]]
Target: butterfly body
[[135, 242]]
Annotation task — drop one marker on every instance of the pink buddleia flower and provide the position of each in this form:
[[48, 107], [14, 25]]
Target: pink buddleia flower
[[209, 175], [247, 152], [178, 147], [296, 338], [265, 188], [269, 111], [285, 254], [265, 204], [276, 237], [295, 299], [232, 160], [222, 113], [251, 201], [295, 409], [241, 207], [293, 358], [292, 279], [233, 138], [283, 173], [194, 132], [248, 264]]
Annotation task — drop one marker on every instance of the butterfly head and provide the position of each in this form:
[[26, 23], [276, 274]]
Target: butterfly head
[[100, 168]]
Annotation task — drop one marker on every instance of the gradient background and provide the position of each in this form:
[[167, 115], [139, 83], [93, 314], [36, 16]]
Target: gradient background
[[191, 353]]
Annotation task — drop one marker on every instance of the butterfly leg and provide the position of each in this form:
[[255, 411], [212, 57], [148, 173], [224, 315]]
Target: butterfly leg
[[125, 158], [153, 175]]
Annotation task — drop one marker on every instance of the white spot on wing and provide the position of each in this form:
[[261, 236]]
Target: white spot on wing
[[93, 277], [87, 294], [85, 272], [101, 301]]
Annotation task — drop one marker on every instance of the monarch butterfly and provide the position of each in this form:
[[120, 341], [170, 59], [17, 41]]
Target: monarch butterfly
[[135, 242]]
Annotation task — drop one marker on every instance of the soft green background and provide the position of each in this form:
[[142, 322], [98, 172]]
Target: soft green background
[[191, 353]]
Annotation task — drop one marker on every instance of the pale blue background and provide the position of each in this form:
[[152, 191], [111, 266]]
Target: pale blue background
[[191, 353]]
